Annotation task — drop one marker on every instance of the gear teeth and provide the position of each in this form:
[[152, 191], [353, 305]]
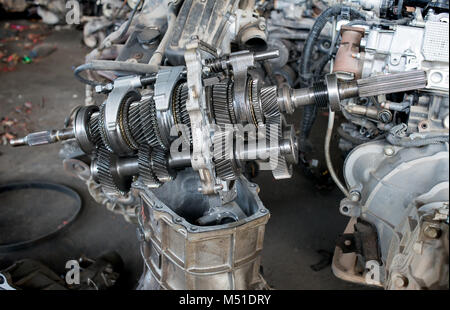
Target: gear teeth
[[283, 169], [126, 125], [104, 171], [94, 130], [145, 167], [101, 124], [181, 115], [159, 165], [256, 103], [149, 125], [225, 164], [230, 103], [134, 120], [154, 121], [269, 101], [222, 103]]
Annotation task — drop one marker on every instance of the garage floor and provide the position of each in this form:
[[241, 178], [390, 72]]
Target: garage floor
[[303, 220]]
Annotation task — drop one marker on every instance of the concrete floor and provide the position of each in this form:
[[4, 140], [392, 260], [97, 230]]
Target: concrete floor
[[303, 220]]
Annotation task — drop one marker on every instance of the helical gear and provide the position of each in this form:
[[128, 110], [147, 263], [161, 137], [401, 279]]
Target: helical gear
[[153, 166], [94, 130], [222, 103], [255, 101], [226, 166], [149, 123], [283, 169], [101, 125], [180, 113], [269, 101], [105, 177]]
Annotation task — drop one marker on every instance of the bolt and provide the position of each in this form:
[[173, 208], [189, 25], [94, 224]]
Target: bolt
[[432, 232], [400, 281], [263, 210], [389, 150], [178, 220], [193, 228], [447, 122], [385, 116], [262, 26], [355, 196]]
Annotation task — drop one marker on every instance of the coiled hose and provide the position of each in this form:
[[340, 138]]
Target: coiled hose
[[310, 111]]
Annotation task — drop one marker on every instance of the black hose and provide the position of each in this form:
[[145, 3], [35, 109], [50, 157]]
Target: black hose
[[125, 30], [310, 111]]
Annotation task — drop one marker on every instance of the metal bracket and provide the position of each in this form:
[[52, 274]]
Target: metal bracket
[[111, 128], [363, 241], [166, 80]]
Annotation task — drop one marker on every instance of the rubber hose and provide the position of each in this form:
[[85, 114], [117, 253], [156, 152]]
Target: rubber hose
[[310, 111]]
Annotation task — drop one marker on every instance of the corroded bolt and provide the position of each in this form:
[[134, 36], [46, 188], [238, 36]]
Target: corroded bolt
[[432, 232]]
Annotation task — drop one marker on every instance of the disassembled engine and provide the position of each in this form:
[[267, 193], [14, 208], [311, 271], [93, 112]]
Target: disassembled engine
[[197, 89]]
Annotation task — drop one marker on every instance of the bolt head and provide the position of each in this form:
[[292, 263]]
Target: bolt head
[[400, 281], [432, 232], [389, 150], [355, 195]]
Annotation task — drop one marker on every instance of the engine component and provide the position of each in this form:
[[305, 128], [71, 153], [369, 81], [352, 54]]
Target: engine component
[[402, 234], [179, 253], [195, 93]]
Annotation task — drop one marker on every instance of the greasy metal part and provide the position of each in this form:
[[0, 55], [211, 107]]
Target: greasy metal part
[[347, 61], [201, 158], [392, 83], [240, 63], [208, 21], [179, 254], [82, 129], [400, 211], [226, 166], [333, 91], [112, 113], [166, 79], [370, 112], [44, 137], [331, 81], [253, 36], [224, 63]]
